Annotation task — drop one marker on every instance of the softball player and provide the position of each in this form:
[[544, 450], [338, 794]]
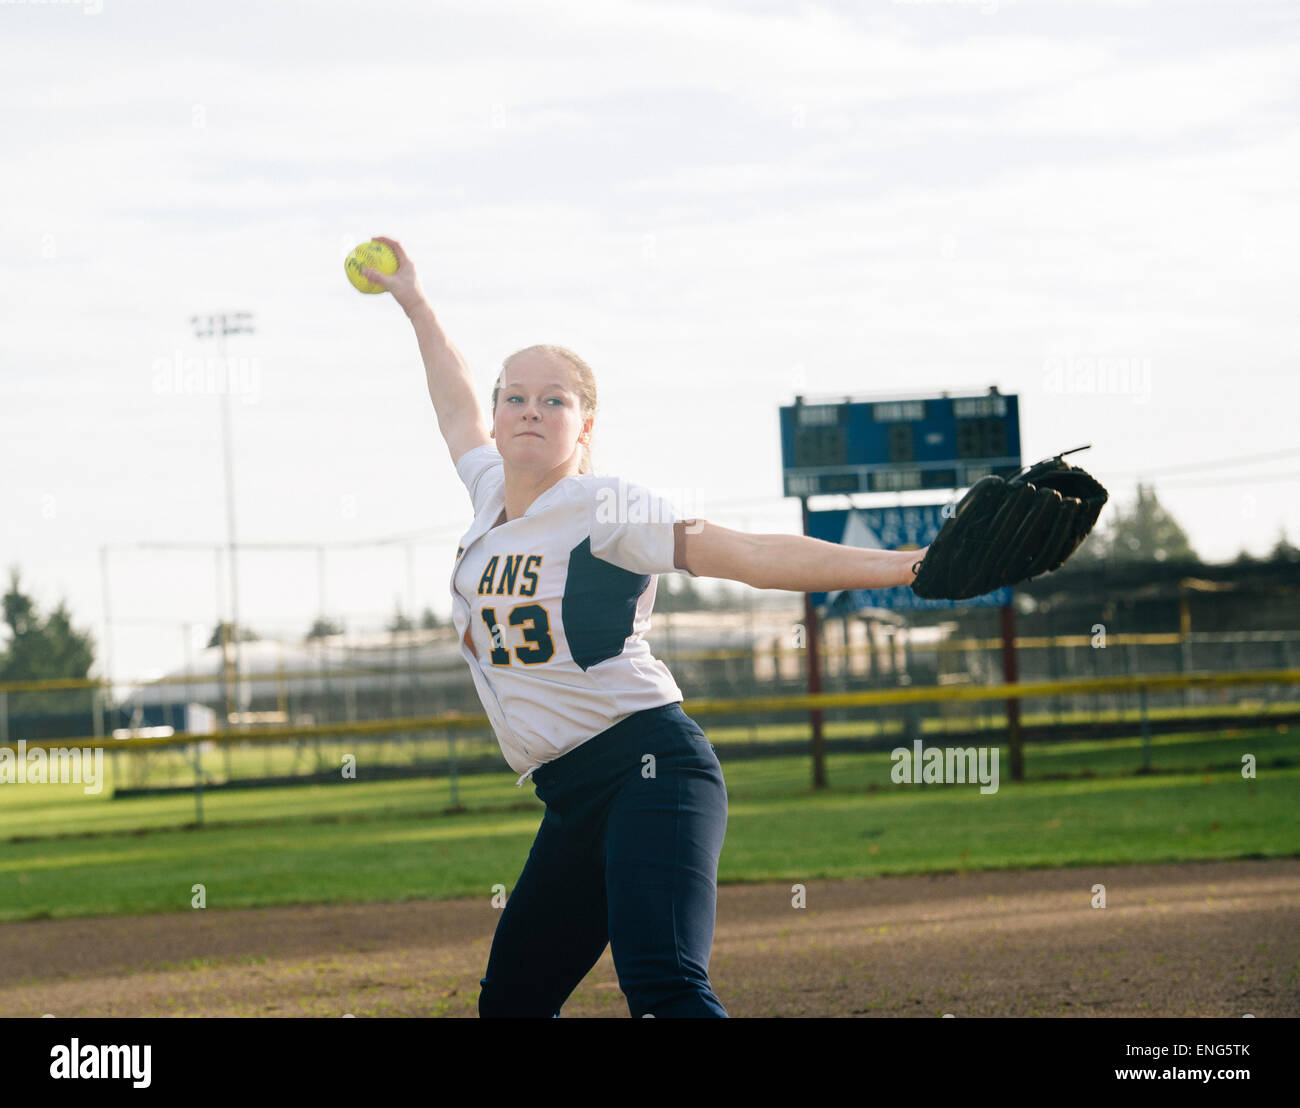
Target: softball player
[[552, 592]]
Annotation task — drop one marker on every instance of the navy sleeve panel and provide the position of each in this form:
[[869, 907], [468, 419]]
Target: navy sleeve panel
[[599, 607]]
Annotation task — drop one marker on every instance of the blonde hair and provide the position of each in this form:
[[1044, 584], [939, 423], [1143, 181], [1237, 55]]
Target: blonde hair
[[586, 389]]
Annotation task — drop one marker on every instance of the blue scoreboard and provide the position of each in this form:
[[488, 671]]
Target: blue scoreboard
[[943, 442]]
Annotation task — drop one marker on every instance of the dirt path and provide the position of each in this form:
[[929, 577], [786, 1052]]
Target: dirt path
[[1203, 939]]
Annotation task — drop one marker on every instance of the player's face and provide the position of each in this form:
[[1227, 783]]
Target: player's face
[[539, 414]]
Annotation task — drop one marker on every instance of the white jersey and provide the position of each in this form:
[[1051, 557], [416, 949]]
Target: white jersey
[[551, 608]]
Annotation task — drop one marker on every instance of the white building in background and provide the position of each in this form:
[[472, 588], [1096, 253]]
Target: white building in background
[[421, 672]]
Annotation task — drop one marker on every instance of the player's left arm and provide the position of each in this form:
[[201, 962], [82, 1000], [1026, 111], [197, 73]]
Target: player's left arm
[[795, 563]]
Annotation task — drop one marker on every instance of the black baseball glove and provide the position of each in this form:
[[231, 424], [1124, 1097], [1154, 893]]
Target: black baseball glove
[[1004, 532]]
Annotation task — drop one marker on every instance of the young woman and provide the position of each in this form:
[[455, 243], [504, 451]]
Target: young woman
[[552, 592]]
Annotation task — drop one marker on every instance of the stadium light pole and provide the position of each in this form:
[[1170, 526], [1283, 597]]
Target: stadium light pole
[[218, 327], [108, 621]]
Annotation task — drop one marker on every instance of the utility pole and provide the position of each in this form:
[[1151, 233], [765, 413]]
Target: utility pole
[[811, 631], [218, 327]]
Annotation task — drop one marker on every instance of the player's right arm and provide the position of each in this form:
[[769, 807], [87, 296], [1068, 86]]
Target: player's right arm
[[451, 385]]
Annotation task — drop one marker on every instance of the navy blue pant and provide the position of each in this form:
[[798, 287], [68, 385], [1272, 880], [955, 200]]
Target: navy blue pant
[[626, 856]]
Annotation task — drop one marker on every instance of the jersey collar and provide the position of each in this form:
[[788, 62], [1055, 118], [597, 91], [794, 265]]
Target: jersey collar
[[487, 521]]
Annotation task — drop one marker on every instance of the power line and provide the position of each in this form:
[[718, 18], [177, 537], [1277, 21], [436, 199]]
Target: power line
[[336, 544], [1244, 481], [1244, 459]]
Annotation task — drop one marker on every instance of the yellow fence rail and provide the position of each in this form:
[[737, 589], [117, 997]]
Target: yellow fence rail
[[700, 707]]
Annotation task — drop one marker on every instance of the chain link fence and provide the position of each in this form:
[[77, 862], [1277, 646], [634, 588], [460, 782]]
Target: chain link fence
[[421, 677]]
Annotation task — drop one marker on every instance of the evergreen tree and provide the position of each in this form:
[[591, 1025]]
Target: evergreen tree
[[1283, 551], [245, 634], [40, 649], [323, 628], [678, 593], [400, 621], [1144, 531]]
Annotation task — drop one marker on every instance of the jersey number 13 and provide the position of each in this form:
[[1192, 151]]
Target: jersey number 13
[[536, 625]]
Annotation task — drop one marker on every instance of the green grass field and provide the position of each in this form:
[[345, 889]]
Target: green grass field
[[72, 854]]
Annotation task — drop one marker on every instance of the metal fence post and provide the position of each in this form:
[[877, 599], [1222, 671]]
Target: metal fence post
[[97, 722], [451, 768], [1146, 730], [394, 710], [752, 659], [1122, 698], [198, 785]]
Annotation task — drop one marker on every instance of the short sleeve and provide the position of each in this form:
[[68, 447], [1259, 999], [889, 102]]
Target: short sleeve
[[483, 471], [633, 528]]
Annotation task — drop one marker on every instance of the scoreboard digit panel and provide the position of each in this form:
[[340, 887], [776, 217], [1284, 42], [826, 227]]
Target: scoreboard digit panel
[[902, 444], [982, 437], [898, 445], [820, 447]]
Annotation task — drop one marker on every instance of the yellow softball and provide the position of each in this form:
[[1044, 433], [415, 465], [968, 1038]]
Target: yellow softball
[[369, 255]]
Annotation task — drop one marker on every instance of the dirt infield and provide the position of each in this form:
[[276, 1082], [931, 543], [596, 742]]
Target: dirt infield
[[1202, 939]]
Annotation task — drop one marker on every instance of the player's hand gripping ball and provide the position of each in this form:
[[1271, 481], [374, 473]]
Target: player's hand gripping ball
[[369, 255]]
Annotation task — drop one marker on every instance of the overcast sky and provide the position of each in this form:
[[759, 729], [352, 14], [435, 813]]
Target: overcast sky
[[718, 206]]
